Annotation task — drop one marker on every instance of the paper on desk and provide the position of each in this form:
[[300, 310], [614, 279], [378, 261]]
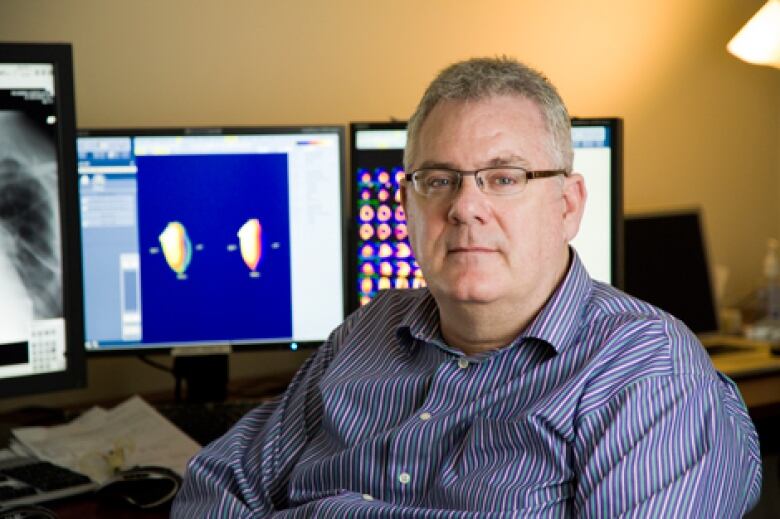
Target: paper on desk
[[6, 454], [100, 441]]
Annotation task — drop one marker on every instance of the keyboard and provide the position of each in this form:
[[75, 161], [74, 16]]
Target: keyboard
[[204, 422], [26, 481]]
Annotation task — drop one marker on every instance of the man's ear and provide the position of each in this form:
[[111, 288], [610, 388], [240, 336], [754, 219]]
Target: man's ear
[[574, 197], [402, 188]]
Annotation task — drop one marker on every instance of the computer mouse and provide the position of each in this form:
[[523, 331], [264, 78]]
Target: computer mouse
[[142, 487]]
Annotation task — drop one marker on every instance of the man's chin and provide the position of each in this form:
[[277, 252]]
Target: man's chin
[[468, 291]]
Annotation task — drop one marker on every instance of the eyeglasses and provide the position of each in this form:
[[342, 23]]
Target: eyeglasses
[[497, 180]]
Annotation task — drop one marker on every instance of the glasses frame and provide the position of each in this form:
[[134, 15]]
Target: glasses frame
[[529, 175]]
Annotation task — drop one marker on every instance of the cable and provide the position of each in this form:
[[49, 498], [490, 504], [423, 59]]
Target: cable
[[155, 364]]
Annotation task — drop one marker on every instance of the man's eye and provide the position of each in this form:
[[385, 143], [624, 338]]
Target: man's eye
[[438, 181], [503, 179]]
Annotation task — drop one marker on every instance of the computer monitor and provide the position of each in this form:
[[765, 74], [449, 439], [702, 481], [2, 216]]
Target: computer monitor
[[211, 237], [380, 255], [41, 344], [666, 264]]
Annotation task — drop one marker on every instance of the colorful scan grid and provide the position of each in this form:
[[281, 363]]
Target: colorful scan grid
[[384, 256]]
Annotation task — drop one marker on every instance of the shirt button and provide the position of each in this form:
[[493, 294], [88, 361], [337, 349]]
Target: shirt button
[[368, 497], [463, 363], [425, 416], [404, 478]]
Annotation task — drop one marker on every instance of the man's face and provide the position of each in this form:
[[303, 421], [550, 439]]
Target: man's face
[[479, 248]]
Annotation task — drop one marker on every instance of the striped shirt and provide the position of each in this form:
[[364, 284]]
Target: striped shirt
[[604, 406]]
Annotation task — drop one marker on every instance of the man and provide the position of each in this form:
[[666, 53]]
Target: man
[[514, 386]]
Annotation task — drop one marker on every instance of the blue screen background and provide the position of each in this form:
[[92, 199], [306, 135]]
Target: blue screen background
[[215, 196]]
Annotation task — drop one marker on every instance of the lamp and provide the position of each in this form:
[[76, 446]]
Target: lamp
[[758, 42]]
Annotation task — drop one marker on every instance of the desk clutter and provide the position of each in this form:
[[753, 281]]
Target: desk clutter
[[47, 463], [134, 452], [101, 442]]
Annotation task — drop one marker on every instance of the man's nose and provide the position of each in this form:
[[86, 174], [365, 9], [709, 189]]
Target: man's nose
[[469, 204]]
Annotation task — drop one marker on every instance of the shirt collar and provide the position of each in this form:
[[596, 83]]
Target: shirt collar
[[559, 319], [556, 324], [421, 320]]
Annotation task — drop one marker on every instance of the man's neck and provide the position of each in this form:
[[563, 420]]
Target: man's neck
[[479, 327]]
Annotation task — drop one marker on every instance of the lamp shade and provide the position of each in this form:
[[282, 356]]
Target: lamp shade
[[758, 41]]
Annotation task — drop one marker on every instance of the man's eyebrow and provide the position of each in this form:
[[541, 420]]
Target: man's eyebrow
[[507, 160], [434, 164], [504, 160]]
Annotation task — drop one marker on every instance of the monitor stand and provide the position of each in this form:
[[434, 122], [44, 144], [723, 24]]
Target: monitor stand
[[204, 373]]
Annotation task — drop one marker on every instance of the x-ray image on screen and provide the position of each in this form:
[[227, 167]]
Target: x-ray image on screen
[[30, 263], [41, 339]]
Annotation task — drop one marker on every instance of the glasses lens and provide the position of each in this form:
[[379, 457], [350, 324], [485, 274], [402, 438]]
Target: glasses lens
[[502, 181], [435, 182]]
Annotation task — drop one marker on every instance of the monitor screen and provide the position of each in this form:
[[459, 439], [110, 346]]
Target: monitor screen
[[666, 264], [210, 237], [380, 256], [40, 298]]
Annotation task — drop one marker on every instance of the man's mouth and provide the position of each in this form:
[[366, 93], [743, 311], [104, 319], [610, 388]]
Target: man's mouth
[[470, 249]]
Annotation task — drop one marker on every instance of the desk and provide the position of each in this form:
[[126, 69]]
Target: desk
[[82, 507], [757, 374]]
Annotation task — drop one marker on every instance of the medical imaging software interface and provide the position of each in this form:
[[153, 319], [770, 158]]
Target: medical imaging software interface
[[210, 239], [384, 257], [32, 327]]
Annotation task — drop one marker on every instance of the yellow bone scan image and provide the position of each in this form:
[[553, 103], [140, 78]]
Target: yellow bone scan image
[[250, 243], [176, 247]]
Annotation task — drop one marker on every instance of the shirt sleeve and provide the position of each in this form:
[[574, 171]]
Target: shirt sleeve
[[245, 473], [668, 446]]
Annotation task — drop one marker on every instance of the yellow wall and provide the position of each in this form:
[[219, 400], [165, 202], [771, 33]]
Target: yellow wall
[[701, 127]]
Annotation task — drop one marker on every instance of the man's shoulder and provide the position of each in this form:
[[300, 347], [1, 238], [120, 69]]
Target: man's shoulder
[[631, 328], [627, 343], [610, 302]]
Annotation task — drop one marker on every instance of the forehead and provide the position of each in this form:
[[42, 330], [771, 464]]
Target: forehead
[[474, 132]]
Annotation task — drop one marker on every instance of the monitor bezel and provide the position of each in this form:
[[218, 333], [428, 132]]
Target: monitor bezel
[[242, 346], [75, 373], [665, 218], [615, 124]]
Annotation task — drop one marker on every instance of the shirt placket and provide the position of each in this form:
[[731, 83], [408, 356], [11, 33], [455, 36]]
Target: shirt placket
[[410, 465]]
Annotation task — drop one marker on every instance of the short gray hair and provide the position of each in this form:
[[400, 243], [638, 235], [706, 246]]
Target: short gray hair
[[480, 78]]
